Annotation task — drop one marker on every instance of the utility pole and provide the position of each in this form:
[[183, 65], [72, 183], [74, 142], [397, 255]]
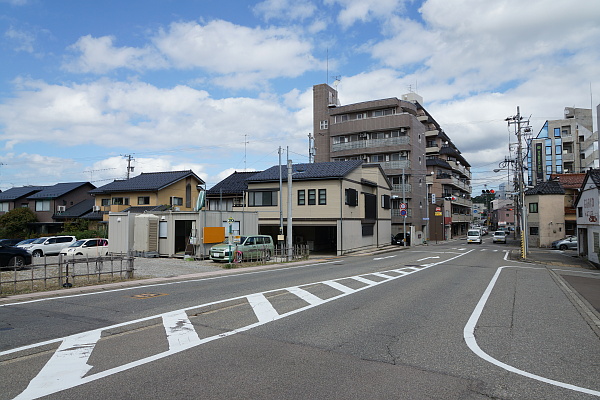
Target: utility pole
[[520, 128], [311, 148], [129, 158]]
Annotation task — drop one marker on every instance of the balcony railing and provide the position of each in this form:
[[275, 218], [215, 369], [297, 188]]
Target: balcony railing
[[370, 143], [398, 188], [395, 164]]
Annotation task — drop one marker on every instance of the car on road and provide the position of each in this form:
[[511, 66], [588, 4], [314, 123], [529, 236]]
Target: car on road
[[570, 242], [474, 236], [499, 237], [255, 247], [399, 237], [11, 256], [48, 246], [96, 247]]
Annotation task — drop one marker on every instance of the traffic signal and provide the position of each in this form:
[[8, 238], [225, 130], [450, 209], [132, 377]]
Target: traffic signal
[[490, 191]]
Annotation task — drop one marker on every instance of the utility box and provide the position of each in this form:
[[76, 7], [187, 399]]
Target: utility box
[[145, 233]]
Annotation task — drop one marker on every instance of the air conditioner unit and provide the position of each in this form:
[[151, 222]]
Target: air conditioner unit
[[61, 208], [362, 135], [402, 130], [96, 208], [403, 153]]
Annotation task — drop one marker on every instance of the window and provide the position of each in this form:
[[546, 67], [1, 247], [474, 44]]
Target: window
[[262, 199], [548, 150], [324, 124], [143, 200], [556, 132], [188, 195], [176, 201], [385, 202], [533, 208], [351, 197], [120, 201], [105, 202], [162, 229], [312, 197], [322, 197], [301, 197], [580, 211], [534, 230], [4, 206], [370, 206], [42, 205]]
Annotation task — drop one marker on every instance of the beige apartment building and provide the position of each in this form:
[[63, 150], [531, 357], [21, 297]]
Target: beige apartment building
[[430, 178]]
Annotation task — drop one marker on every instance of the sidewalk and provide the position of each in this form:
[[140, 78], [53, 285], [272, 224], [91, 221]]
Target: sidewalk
[[579, 279]]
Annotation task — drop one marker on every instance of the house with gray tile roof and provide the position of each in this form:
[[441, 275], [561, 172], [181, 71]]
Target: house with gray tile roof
[[229, 193], [338, 207], [17, 197], [177, 190], [587, 205]]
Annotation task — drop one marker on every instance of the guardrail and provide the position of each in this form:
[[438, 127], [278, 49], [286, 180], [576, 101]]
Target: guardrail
[[64, 273]]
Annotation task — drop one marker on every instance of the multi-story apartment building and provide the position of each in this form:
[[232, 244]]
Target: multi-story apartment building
[[563, 146], [396, 133]]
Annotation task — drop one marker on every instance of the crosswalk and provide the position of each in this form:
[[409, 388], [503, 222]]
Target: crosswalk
[[69, 365]]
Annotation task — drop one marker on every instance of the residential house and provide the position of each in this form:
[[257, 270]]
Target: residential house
[[174, 190], [17, 197], [571, 183], [545, 213], [47, 202], [228, 194], [340, 206], [588, 217]]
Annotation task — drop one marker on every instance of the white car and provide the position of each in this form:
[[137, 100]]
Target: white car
[[474, 236], [96, 247], [48, 246]]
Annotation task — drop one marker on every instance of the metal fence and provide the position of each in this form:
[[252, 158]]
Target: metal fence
[[264, 255], [57, 272]]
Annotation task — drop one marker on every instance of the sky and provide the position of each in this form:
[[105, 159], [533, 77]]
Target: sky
[[220, 86]]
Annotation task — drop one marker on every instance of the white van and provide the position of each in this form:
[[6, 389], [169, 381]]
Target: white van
[[474, 236]]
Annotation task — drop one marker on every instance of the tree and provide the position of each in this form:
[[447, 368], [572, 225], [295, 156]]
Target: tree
[[13, 224]]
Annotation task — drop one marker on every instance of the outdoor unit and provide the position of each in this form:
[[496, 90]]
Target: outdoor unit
[[96, 208], [145, 233], [61, 208]]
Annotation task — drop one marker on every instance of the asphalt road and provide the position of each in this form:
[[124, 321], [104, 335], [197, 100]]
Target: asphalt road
[[452, 321]]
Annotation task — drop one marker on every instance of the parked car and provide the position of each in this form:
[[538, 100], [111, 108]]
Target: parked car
[[96, 247], [24, 242], [570, 242], [10, 242], [11, 256], [246, 248], [499, 237], [48, 246], [474, 236], [398, 239]]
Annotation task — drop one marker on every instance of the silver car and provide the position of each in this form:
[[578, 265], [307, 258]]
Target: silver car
[[570, 242]]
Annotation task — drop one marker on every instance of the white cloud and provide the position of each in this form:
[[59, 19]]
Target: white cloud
[[221, 47], [285, 9], [23, 41], [99, 55], [366, 10]]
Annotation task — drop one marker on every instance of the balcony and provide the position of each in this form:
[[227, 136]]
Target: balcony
[[568, 157], [432, 132], [432, 149], [387, 165], [453, 181], [371, 143], [397, 188], [461, 168]]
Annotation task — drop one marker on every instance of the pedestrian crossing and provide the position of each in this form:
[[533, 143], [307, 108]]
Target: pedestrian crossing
[[70, 364]]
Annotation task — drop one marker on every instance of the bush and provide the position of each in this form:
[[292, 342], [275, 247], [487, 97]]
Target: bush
[[13, 224]]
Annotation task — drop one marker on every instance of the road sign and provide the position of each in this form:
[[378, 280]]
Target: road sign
[[403, 213], [403, 206], [432, 198], [438, 209]]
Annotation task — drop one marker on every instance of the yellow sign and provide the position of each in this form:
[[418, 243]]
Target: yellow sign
[[438, 213]]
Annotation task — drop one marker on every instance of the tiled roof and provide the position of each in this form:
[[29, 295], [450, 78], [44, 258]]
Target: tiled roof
[[77, 210], [302, 172], [233, 184], [60, 189], [550, 187], [595, 176], [18, 192], [569, 181], [146, 182]]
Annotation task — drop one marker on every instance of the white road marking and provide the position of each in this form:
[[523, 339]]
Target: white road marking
[[67, 365], [305, 295], [339, 286], [264, 311], [383, 258], [469, 335], [70, 360], [427, 258], [180, 331]]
